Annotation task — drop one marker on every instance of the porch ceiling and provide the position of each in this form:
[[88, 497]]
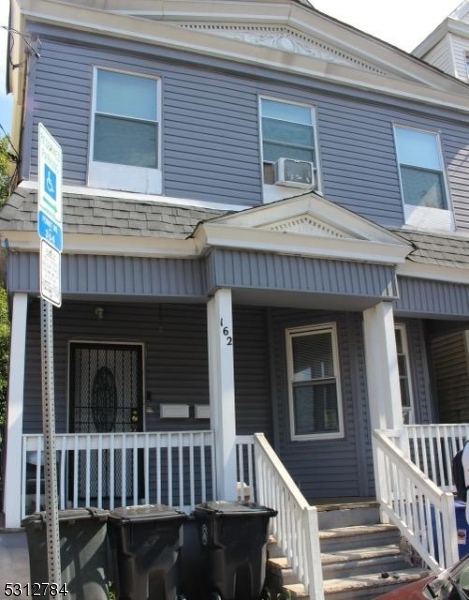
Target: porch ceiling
[[303, 300]]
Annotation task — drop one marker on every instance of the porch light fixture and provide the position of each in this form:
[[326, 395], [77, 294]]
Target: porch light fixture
[[99, 312]]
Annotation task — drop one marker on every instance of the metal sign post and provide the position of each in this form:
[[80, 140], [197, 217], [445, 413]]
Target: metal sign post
[[49, 226], [50, 461]]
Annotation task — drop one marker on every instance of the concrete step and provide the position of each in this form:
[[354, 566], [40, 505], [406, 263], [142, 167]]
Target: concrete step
[[357, 536], [376, 559], [345, 515], [370, 585]]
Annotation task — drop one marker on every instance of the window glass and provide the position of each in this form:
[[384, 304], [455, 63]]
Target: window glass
[[421, 168], [404, 373], [287, 132], [315, 408], [418, 148], [125, 123], [126, 95]]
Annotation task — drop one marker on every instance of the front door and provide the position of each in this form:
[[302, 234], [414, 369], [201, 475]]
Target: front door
[[106, 396]]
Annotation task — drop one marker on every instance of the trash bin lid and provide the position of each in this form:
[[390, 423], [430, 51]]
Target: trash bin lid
[[226, 508], [69, 515], [146, 512]]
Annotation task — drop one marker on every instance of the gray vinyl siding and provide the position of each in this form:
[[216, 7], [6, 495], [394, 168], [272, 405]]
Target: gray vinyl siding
[[211, 147], [174, 338], [425, 297], [327, 468]]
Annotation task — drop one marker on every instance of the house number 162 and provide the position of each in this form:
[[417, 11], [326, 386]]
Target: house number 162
[[227, 333]]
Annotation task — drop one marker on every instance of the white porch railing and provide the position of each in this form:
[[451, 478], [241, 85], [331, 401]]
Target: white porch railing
[[432, 448], [423, 512], [119, 469], [245, 472], [296, 526]]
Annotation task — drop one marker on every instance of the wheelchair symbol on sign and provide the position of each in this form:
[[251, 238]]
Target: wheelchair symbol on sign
[[50, 182]]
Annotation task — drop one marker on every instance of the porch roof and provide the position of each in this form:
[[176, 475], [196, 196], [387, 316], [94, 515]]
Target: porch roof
[[101, 215], [437, 249]]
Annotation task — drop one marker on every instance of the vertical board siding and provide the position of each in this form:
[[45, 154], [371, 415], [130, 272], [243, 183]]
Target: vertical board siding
[[211, 148], [427, 297], [258, 270]]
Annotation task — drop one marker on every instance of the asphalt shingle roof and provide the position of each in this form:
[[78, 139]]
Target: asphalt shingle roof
[[437, 249], [101, 215], [107, 216]]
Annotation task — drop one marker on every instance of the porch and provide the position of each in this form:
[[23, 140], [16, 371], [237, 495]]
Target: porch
[[413, 481]]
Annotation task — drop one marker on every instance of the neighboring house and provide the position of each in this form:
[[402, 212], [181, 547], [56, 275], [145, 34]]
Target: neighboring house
[[447, 46], [266, 224]]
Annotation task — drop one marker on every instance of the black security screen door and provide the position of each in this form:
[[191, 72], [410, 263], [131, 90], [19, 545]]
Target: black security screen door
[[106, 396], [106, 388]]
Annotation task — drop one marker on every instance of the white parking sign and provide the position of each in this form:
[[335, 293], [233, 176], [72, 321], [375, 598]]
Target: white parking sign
[[49, 177], [49, 216]]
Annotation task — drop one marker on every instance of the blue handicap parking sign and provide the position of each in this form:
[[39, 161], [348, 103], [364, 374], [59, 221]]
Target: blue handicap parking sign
[[50, 182]]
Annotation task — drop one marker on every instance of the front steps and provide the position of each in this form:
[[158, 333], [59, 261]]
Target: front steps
[[359, 555]]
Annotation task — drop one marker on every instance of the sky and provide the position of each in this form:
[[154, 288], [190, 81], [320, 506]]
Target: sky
[[403, 23]]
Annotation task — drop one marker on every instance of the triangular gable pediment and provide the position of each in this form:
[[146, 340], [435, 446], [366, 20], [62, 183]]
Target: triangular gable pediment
[[287, 40], [309, 215], [306, 225]]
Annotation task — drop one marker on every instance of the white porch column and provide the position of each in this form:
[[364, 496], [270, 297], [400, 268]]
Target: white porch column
[[222, 396], [382, 371], [14, 430]]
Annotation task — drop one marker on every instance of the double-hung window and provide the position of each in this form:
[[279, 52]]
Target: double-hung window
[[314, 383], [287, 132], [126, 131], [422, 177], [404, 374]]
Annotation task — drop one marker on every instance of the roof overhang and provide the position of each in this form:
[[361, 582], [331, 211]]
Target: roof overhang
[[158, 23]]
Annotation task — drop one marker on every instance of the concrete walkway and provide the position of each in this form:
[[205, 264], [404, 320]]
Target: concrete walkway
[[14, 560]]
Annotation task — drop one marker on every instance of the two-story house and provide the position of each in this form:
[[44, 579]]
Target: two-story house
[[266, 225]]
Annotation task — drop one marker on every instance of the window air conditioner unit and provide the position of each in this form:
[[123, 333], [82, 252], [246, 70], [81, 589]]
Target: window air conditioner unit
[[294, 173]]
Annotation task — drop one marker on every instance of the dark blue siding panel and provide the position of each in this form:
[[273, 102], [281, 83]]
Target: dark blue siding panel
[[175, 359], [432, 298], [327, 468], [242, 269]]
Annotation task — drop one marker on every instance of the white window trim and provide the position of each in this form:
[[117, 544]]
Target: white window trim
[[290, 333], [273, 192], [124, 177], [405, 347], [425, 217]]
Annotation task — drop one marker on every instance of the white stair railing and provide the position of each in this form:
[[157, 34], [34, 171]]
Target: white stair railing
[[423, 512], [295, 528]]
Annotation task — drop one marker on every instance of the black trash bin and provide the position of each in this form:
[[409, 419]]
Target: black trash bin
[[233, 537], [84, 557], [146, 541]]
